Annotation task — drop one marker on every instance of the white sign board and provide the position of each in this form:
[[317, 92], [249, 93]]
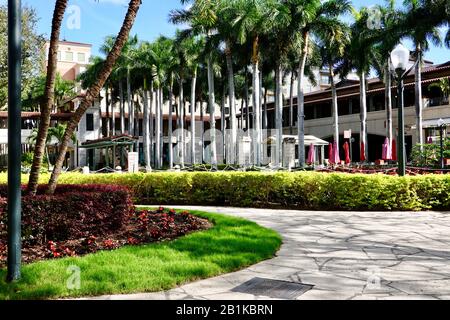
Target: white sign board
[[348, 134], [133, 162]]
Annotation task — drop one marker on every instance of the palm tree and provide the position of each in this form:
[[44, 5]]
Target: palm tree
[[202, 17], [359, 56], [58, 15], [421, 34], [333, 42], [94, 90], [444, 86], [310, 17]]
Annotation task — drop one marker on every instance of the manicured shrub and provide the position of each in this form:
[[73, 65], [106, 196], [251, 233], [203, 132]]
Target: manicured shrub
[[296, 190], [75, 211]]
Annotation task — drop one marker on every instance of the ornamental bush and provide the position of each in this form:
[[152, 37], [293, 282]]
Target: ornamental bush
[[75, 211], [296, 190]]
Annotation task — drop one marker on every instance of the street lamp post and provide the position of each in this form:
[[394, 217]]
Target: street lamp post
[[441, 124], [14, 138], [400, 59]]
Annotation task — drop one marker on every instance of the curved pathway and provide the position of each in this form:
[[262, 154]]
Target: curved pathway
[[342, 255]]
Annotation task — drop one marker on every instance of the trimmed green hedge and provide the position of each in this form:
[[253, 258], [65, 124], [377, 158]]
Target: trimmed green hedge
[[302, 190]]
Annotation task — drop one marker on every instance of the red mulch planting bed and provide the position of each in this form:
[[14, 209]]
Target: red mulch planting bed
[[143, 227]]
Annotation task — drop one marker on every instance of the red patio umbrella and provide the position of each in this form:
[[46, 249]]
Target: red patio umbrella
[[362, 154], [336, 157], [311, 154], [330, 154], [347, 153], [394, 150]]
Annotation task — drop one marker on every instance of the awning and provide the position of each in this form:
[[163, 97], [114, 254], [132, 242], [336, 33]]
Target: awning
[[433, 123], [122, 140], [308, 140]]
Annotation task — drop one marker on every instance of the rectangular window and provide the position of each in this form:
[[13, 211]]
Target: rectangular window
[[324, 79], [81, 57], [69, 56], [89, 122]]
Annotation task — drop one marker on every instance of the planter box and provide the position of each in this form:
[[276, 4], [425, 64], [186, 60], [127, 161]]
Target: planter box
[[379, 162]]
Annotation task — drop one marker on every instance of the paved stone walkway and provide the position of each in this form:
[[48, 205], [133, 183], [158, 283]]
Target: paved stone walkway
[[343, 255]]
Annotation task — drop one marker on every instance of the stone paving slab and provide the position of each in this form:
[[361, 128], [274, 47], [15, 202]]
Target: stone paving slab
[[344, 255]]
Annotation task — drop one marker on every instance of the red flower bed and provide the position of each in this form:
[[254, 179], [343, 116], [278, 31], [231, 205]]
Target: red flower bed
[[142, 227], [73, 212]]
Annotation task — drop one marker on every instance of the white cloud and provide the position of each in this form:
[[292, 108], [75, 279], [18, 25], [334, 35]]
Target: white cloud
[[115, 2]]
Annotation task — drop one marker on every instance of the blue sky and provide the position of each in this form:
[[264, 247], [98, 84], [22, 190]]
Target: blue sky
[[99, 19]]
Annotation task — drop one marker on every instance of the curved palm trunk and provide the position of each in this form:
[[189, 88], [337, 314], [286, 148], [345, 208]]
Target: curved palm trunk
[[363, 114], [193, 90], [122, 108], [279, 114], [47, 106], [334, 108], [212, 112], [232, 96], [256, 104], [418, 94], [301, 102], [94, 90], [388, 104]]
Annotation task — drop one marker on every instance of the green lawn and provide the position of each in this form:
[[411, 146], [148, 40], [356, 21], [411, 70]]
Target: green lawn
[[230, 245]]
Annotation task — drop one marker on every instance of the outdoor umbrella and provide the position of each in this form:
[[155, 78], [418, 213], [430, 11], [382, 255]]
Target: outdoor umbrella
[[311, 154], [347, 153], [388, 149], [330, 154], [362, 155], [384, 148], [394, 150], [336, 158]]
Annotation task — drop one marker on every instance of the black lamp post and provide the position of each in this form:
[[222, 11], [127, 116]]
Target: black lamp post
[[441, 124], [14, 138], [400, 59]]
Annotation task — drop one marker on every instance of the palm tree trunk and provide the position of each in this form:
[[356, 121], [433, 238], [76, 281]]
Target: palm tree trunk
[[223, 123], [212, 113], [47, 106], [146, 124], [363, 114], [301, 102], [108, 126], [256, 103], [182, 145], [418, 94], [94, 90], [152, 124], [130, 105], [232, 97], [334, 108], [161, 119], [193, 90], [170, 125], [202, 120], [122, 108], [388, 105], [265, 121], [291, 105], [279, 114], [158, 131], [113, 122]]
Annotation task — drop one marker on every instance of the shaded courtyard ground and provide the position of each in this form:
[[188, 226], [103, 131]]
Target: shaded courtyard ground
[[341, 255]]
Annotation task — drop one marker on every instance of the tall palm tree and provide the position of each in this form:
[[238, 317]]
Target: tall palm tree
[[94, 90], [333, 42], [310, 17], [202, 18], [58, 15], [421, 35]]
